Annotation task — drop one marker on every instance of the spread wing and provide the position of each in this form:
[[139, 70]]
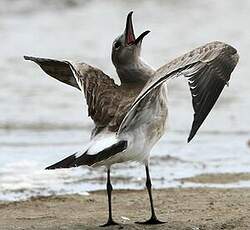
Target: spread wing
[[96, 86], [56, 69], [102, 94], [207, 68]]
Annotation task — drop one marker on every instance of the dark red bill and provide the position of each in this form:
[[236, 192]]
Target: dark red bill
[[129, 32], [137, 40]]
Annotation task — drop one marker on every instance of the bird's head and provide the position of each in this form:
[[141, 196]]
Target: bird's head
[[126, 48]]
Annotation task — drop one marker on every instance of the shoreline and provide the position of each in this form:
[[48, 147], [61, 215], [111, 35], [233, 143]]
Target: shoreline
[[181, 208]]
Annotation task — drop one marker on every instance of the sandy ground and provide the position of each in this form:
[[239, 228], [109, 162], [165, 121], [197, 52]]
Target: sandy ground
[[189, 209], [218, 178]]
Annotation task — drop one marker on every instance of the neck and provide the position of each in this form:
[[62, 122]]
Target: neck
[[138, 72]]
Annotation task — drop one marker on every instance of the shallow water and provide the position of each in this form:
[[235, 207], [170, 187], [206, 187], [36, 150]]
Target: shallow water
[[42, 120]]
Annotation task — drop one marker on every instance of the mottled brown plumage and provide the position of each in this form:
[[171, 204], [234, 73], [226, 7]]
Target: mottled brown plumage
[[131, 118], [107, 102], [207, 67]]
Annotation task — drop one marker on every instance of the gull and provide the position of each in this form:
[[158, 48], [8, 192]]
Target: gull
[[131, 117]]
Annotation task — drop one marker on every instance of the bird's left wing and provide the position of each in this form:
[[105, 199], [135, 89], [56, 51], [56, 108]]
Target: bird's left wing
[[101, 93], [59, 70], [207, 68]]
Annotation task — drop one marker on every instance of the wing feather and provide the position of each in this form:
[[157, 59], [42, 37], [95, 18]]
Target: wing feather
[[207, 68], [96, 86], [88, 159], [59, 70]]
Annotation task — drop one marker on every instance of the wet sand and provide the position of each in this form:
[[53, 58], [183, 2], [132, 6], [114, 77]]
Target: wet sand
[[217, 178], [192, 208]]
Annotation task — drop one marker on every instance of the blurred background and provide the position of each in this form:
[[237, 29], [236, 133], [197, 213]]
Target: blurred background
[[43, 120]]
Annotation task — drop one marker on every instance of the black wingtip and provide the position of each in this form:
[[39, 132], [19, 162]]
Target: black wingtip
[[28, 58], [34, 59], [189, 139], [130, 13], [65, 163], [192, 133]]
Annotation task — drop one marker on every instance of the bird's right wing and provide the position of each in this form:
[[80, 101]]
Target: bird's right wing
[[101, 92], [207, 68]]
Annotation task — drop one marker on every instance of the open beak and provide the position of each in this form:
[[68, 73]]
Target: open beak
[[129, 32]]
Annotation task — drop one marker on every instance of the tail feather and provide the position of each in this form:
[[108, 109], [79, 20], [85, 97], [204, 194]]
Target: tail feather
[[87, 159]]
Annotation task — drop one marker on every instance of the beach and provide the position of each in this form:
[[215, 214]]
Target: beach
[[181, 208]]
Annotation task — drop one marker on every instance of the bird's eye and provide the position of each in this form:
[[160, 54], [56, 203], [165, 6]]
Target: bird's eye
[[117, 44]]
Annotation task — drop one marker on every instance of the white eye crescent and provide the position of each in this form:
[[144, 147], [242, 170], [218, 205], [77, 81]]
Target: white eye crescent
[[117, 44]]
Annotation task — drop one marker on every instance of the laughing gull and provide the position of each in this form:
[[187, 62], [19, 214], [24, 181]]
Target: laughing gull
[[131, 117]]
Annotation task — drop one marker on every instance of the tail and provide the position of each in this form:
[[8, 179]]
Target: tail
[[88, 158]]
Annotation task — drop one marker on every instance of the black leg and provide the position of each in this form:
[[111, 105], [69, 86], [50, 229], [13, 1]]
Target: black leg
[[153, 219], [109, 191]]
